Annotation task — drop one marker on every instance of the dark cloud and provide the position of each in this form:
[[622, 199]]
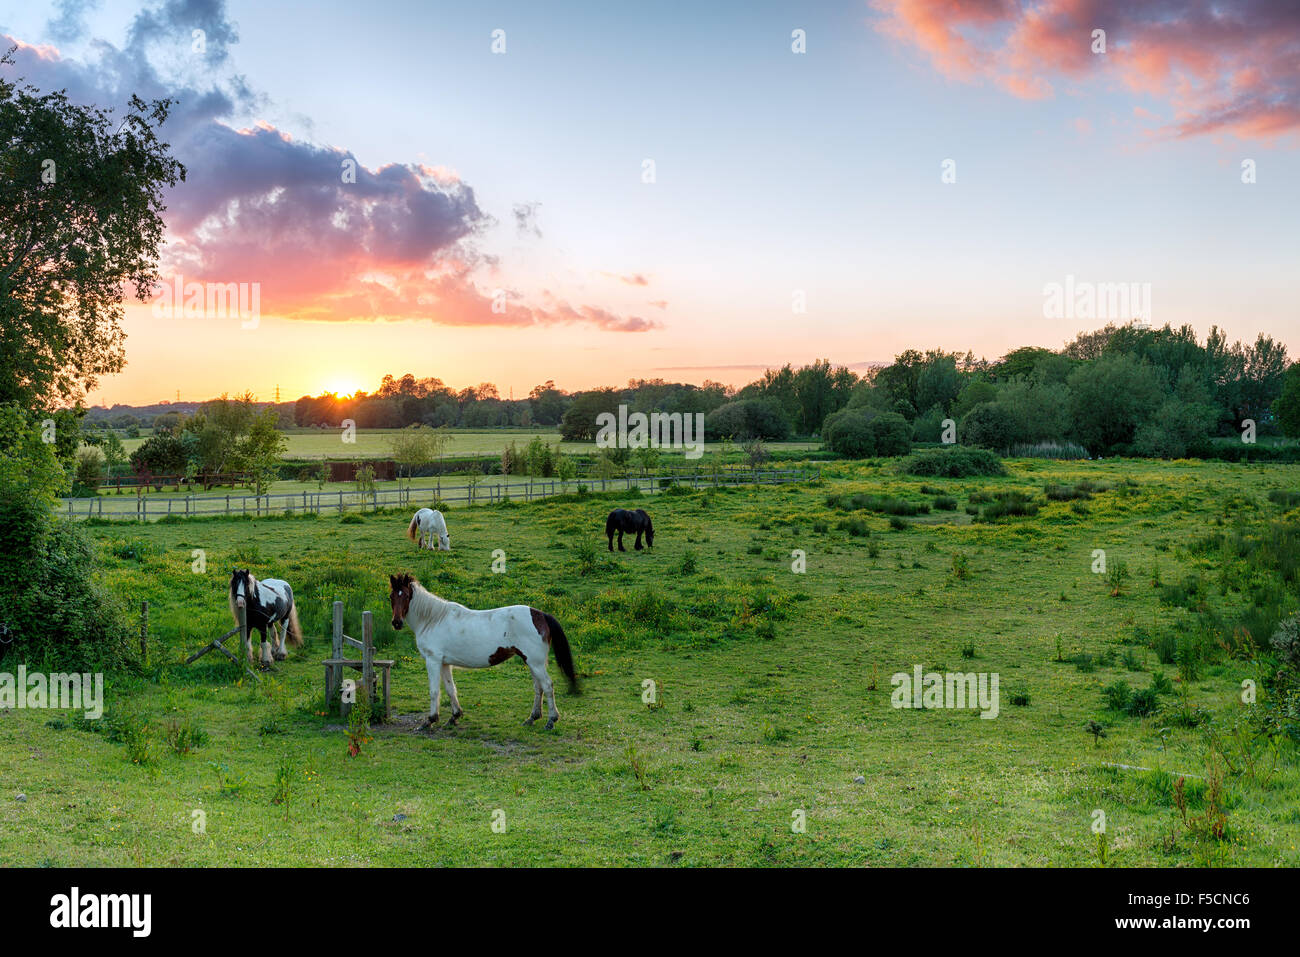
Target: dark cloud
[[326, 237], [69, 24]]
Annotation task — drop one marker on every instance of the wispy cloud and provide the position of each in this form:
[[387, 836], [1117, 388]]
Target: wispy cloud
[[1220, 66]]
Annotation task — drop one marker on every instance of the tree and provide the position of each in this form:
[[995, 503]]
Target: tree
[[415, 446], [1174, 428], [258, 452], [849, 433], [579, 420], [217, 430], [988, 425], [90, 470], [162, 454], [548, 403], [891, 434], [1109, 398], [54, 610], [1287, 406], [81, 220], [114, 454], [748, 419]]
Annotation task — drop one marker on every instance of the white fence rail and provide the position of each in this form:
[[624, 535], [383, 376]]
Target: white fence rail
[[147, 508]]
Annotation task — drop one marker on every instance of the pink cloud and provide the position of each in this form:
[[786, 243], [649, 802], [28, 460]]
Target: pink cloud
[[1220, 66], [325, 237]]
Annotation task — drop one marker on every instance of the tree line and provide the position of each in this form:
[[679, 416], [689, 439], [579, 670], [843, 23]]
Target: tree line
[[1122, 389]]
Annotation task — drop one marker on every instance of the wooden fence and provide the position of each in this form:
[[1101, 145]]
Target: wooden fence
[[145, 509]]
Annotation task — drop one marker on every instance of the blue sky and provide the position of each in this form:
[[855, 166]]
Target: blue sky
[[776, 172]]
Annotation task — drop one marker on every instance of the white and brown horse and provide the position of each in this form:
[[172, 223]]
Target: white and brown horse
[[427, 523], [449, 635], [266, 604]]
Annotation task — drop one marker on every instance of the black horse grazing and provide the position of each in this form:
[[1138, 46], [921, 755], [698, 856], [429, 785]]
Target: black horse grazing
[[267, 603], [624, 520]]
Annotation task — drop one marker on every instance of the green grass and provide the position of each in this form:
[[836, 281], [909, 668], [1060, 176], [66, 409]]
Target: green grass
[[376, 443], [772, 689]]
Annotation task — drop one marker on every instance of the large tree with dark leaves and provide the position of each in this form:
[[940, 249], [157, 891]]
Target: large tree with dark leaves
[[80, 223]]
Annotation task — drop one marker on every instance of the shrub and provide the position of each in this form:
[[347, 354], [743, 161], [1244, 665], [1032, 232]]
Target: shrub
[[1066, 493], [1286, 643], [856, 527], [960, 565], [945, 503], [988, 425], [1117, 696], [52, 606], [876, 503], [953, 463], [1012, 504], [849, 433], [89, 471], [891, 434], [748, 419], [1283, 498], [1142, 702]]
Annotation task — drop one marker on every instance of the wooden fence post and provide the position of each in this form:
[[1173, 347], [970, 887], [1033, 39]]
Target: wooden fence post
[[368, 657], [333, 680]]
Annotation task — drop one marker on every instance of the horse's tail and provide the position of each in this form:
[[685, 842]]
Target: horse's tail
[[611, 526], [292, 628], [413, 527], [649, 530], [563, 655]]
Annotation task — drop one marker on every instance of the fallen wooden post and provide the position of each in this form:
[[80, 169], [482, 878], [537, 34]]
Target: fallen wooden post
[[216, 644]]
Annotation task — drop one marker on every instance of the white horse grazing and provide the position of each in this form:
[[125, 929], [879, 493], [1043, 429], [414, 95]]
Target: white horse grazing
[[449, 636], [427, 523]]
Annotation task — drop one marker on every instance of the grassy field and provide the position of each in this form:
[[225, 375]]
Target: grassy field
[[375, 443], [772, 689]]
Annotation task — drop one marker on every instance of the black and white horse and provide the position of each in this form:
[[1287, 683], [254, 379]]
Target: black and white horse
[[267, 603], [623, 520], [449, 635]]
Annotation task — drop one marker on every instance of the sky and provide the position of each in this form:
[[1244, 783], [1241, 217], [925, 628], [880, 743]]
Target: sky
[[500, 227]]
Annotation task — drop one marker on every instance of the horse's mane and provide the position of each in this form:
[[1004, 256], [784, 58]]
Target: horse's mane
[[425, 605]]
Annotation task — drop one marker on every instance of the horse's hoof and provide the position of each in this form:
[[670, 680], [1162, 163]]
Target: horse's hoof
[[529, 721], [281, 656], [550, 724]]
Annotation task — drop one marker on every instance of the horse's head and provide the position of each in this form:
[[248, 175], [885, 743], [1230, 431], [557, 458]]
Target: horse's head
[[242, 586], [401, 591]]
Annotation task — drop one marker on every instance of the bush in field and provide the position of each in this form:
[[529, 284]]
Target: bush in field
[[890, 434], [52, 610], [89, 471], [1176, 426], [748, 419], [1011, 504], [953, 463], [1110, 398], [161, 454], [1286, 643], [849, 433], [989, 426]]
